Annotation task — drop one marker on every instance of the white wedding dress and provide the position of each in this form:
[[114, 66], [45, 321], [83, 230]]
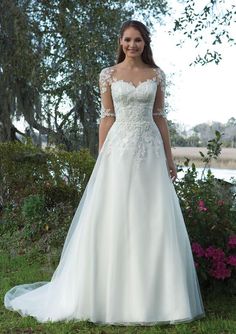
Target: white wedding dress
[[127, 258]]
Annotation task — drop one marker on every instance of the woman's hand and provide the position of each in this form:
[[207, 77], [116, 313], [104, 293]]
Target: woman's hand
[[172, 170]]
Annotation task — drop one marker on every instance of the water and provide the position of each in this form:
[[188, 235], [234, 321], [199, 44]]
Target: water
[[224, 174]]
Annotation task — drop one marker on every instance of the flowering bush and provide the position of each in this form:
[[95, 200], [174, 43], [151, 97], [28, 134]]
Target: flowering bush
[[208, 209], [219, 264]]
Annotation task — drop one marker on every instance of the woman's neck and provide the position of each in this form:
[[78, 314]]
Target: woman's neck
[[131, 63]]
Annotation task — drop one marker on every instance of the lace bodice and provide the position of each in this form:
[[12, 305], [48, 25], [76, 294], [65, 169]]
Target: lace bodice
[[127, 102], [134, 108]]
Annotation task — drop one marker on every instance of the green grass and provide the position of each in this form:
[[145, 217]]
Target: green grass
[[220, 310]]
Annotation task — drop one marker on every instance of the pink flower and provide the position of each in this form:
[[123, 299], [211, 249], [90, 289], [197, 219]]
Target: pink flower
[[232, 260], [197, 249], [232, 241], [216, 254], [220, 202], [201, 205], [220, 271]]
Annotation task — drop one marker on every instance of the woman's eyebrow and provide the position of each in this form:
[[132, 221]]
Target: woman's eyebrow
[[134, 38]]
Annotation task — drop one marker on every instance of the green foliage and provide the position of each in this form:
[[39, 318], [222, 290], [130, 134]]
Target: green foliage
[[56, 50], [228, 130], [180, 138], [32, 210], [208, 208], [202, 132], [213, 150], [33, 207], [211, 22], [40, 191]]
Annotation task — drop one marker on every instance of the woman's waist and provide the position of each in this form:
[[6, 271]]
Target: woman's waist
[[134, 126], [134, 131], [134, 121], [134, 114]]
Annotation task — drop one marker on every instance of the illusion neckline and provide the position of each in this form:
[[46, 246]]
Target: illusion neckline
[[154, 79]]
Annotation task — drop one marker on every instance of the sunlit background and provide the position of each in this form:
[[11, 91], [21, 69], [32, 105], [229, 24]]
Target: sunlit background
[[198, 93]]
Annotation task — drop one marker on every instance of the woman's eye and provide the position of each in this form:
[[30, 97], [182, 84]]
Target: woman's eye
[[136, 40]]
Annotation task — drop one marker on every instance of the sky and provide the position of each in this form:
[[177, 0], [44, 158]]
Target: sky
[[198, 93]]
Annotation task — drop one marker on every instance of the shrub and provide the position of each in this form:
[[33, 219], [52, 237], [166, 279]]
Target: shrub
[[40, 190], [33, 207], [208, 209]]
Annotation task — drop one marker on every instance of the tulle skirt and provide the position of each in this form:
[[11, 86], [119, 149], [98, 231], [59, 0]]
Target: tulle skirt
[[127, 257]]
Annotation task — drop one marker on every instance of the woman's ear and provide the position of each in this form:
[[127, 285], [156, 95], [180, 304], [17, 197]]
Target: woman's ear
[[120, 40]]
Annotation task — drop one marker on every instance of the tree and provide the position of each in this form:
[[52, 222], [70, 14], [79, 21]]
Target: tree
[[176, 136], [228, 130], [20, 84], [212, 21], [53, 52]]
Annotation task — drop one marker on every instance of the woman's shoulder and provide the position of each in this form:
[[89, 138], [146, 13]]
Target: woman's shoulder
[[106, 72], [161, 76], [106, 78], [159, 70]]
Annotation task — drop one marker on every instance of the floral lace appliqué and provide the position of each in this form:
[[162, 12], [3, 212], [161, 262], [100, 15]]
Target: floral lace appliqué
[[133, 139], [161, 78], [105, 78], [106, 112], [134, 134]]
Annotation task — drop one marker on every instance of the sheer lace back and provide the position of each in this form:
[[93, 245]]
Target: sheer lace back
[[116, 92]]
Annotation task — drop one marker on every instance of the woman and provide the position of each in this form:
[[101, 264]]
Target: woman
[[127, 257]]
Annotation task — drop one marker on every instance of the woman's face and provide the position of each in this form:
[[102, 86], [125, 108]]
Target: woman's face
[[132, 42]]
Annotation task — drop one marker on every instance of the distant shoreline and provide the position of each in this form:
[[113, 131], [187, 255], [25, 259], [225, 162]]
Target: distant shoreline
[[226, 160]]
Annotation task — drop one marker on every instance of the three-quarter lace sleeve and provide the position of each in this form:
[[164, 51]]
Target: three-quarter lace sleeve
[[159, 104], [107, 107]]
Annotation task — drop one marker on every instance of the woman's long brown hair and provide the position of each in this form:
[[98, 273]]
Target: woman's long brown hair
[[147, 56]]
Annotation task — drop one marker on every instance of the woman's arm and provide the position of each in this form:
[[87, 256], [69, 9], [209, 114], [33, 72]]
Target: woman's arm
[[107, 107], [159, 117], [163, 127]]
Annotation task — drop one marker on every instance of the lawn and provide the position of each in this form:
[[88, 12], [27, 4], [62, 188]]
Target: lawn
[[15, 269]]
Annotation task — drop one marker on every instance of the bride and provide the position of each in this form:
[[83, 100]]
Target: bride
[[127, 257]]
